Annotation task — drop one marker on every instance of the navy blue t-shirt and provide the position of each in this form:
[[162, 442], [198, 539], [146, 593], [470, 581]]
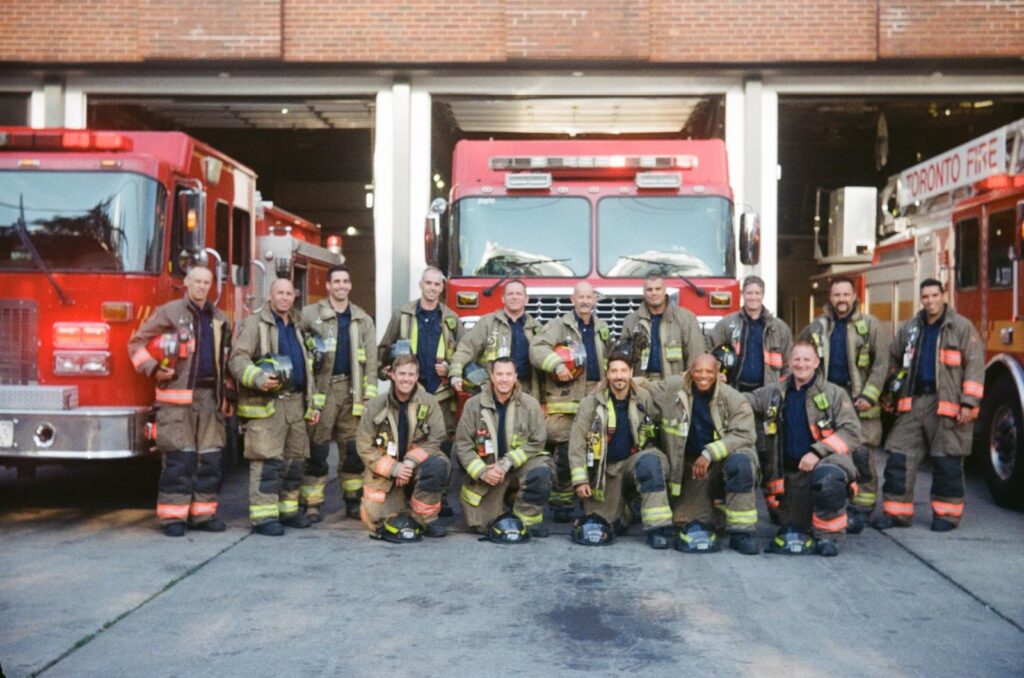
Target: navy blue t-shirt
[[403, 429], [500, 409], [206, 366], [429, 333], [752, 367], [929, 348], [621, 444], [702, 426], [590, 343], [520, 352], [796, 429], [288, 344], [342, 351], [838, 360], [654, 360]]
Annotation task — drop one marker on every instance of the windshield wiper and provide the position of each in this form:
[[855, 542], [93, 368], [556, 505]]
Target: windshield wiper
[[670, 271], [26, 241], [515, 265]]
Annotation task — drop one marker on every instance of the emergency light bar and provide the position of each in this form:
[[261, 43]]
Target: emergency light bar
[[506, 163], [59, 140], [528, 181]]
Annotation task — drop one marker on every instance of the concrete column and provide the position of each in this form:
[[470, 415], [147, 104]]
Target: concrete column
[[760, 175], [75, 109], [419, 153]]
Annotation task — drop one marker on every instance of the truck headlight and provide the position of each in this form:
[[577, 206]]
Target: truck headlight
[[81, 363]]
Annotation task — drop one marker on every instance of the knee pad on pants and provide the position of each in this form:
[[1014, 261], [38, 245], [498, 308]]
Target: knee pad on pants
[[537, 485], [947, 477], [650, 477], [828, 485], [316, 465], [270, 475], [862, 461], [176, 476], [433, 475], [739, 473], [208, 473], [351, 463], [896, 473]]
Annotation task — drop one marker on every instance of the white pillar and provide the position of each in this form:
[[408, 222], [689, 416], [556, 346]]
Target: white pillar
[[383, 208], [75, 109], [760, 153], [37, 109], [734, 128], [419, 184]]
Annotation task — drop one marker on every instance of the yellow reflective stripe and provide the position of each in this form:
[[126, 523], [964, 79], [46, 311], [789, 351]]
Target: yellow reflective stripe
[[475, 468], [361, 354], [371, 390], [675, 489], [740, 517], [470, 497], [286, 506], [561, 497], [249, 375], [351, 485], [865, 498], [673, 353], [312, 492], [655, 513], [673, 430], [261, 511], [414, 334], [871, 413], [256, 411], [357, 409], [319, 400], [529, 521], [871, 392], [578, 476], [717, 450], [455, 370], [551, 362], [517, 456], [611, 413], [563, 408]]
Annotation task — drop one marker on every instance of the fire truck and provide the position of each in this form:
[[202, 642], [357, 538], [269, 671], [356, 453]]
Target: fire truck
[[958, 217], [555, 212], [97, 229]]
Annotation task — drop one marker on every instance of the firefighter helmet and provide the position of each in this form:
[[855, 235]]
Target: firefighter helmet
[[170, 347], [279, 366], [401, 347], [790, 541], [697, 537], [728, 361], [474, 376], [507, 529], [592, 530], [317, 346], [400, 529], [573, 356]]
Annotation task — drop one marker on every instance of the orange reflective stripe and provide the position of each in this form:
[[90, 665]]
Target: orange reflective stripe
[[423, 508], [834, 525], [140, 357], [944, 508], [417, 454], [772, 502], [854, 489], [383, 466], [948, 409], [950, 356], [973, 388], [905, 404], [772, 359], [374, 495], [898, 508], [174, 396], [179, 511], [777, 486], [837, 444], [204, 508]]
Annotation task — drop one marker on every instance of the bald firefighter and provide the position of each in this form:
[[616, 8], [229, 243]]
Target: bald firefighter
[[854, 353], [275, 372], [399, 440], [811, 427], [190, 403], [346, 377], [500, 444], [613, 455], [938, 365], [663, 339], [708, 432], [572, 350]]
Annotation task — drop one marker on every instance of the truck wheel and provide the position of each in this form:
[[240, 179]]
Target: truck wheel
[[1004, 436]]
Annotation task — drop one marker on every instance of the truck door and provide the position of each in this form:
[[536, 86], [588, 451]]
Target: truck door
[[1000, 260], [967, 277]]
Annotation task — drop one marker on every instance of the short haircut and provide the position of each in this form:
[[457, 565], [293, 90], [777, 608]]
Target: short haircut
[[806, 343], [619, 356], [435, 269], [406, 359], [932, 282], [336, 268], [753, 280], [503, 360], [842, 279], [654, 276], [197, 267], [514, 281]]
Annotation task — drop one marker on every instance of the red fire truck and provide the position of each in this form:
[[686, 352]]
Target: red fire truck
[[609, 212], [958, 217], [96, 229]]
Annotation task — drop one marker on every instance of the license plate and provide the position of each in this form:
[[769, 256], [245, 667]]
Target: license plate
[[6, 433]]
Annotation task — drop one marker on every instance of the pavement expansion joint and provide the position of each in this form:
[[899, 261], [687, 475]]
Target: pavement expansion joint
[[85, 640]]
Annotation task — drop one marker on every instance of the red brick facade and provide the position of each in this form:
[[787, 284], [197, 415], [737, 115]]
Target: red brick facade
[[519, 31]]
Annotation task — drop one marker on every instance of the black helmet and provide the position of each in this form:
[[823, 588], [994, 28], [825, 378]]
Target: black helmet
[[727, 359], [790, 541], [507, 529], [592, 530], [474, 376], [698, 537], [317, 346], [400, 529], [279, 366]]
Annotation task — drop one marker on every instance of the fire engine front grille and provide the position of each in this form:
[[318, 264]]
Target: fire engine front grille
[[612, 309], [18, 339]]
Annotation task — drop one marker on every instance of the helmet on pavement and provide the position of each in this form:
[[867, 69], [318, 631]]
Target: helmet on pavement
[[573, 356], [697, 537], [592, 530], [170, 347], [727, 359], [507, 529], [790, 541], [279, 366], [399, 529], [474, 376]]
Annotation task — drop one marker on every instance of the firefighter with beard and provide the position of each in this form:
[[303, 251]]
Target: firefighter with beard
[[664, 339]]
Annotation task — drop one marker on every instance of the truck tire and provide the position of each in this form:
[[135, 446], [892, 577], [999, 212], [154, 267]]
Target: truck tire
[[1003, 438]]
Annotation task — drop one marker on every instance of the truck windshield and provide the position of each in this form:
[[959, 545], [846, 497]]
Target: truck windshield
[[686, 235], [81, 221], [523, 236]]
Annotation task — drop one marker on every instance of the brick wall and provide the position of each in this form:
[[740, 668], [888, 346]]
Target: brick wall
[[937, 28], [201, 29], [55, 30], [578, 29]]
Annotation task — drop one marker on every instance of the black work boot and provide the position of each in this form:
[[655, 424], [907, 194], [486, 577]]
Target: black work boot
[[855, 522], [539, 531], [561, 514], [352, 507], [211, 525], [271, 529], [436, 530], [827, 547], [446, 510], [661, 537], [885, 521], [742, 543], [175, 529], [942, 525], [314, 514], [299, 520]]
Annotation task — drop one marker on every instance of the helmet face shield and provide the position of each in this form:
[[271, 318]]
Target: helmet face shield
[[400, 529], [507, 529], [279, 366], [697, 537], [401, 347], [791, 542], [474, 376], [593, 530]]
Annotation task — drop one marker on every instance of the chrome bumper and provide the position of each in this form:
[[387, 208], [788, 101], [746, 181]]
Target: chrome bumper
[[76, 434]]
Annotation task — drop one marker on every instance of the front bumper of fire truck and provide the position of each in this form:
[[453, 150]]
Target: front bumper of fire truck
[[44, 423]]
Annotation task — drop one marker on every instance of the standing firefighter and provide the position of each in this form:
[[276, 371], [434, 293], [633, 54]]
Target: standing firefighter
[[662, 339], [502, 334], [270, 362], [343, 337], [612, 455], [938, 367], [708, 432], [810, 429], [500, 443], [854, 354], [191, 338], [399, 440], [572, 351]]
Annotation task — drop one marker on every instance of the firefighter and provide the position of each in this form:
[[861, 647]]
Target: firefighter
[[707, 429], [432, 331], [502, 334], [938, 367], [572, 351], [854, 353], [271, 363], [500, 443], [191, 403], [811, 427], [399, 440], [663, 339], [346, 377], [612, 455]]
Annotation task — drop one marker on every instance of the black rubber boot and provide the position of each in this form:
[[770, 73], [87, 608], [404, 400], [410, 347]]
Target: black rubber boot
[[176, 529], [742, 543], [271, 529]]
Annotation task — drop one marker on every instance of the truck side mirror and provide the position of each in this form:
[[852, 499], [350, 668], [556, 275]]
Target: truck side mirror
[[750, 238], [192, 225], [434, 245]]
